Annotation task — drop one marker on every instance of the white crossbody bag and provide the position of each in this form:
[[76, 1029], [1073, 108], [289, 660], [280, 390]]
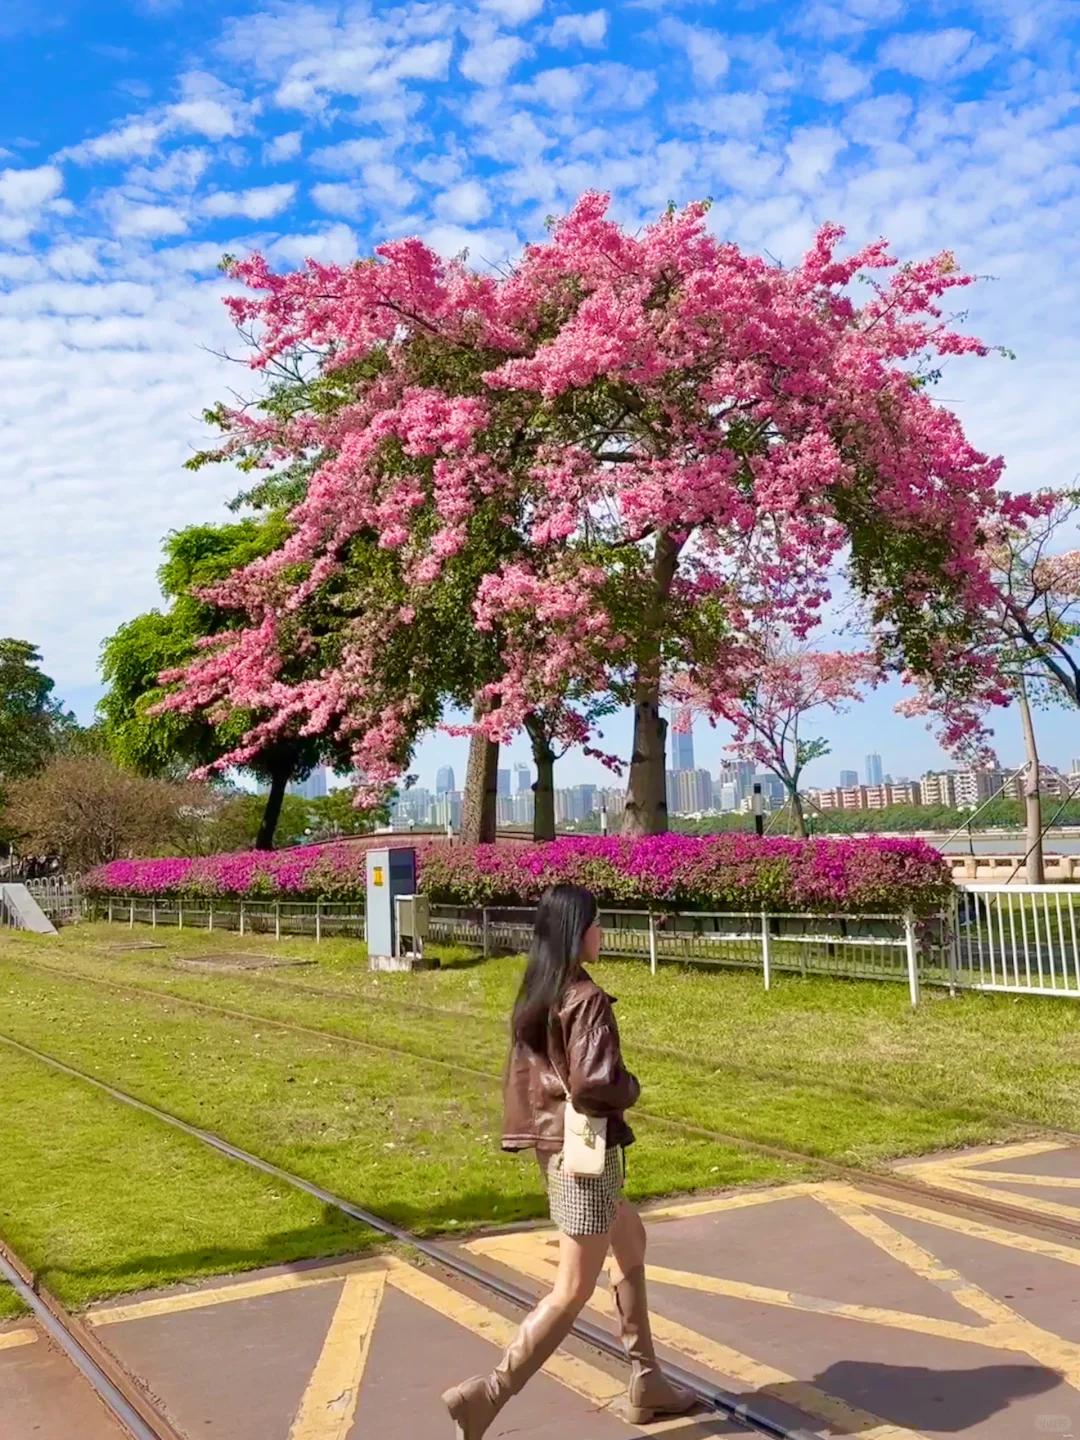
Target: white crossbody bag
[[584, 1138]]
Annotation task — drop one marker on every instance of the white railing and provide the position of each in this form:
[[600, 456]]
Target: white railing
[[1019, 939], [881, 946], [59, 896]]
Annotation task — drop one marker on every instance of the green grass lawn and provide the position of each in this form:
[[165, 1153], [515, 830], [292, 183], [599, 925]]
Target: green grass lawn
[[835, 1069], [10, 1304]]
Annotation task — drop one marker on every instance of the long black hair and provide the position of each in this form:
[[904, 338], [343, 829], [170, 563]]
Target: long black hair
[[562, 918]]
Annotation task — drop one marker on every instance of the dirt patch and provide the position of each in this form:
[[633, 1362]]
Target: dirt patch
[[124, 949], [241, 961]]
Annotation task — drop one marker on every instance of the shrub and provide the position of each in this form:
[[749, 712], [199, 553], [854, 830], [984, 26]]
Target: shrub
[[718, 872]]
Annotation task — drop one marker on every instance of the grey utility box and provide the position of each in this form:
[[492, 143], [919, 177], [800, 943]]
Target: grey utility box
[[391, 876]]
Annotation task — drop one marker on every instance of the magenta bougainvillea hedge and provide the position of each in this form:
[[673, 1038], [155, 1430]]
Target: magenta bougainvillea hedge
[[676, 871]]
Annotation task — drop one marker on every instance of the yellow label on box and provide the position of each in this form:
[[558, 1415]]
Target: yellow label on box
[[378, 875]]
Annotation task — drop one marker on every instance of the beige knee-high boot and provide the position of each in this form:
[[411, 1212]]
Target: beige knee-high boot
[[650, 1394], [475, 1404]]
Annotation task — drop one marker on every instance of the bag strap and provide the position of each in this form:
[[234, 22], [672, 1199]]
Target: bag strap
[[551, 1062]]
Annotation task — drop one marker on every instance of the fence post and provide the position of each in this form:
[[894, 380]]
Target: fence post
[[180, 912], [318, 919], [241, 917], [912, 958], [153, 915], [652, 943], [952, 919], [277, 919], [131, 917], [765, 955], [110, 910], [210, 921], [485, 932]]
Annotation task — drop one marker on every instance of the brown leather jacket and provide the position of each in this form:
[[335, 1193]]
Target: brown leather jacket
[[585, 1049]]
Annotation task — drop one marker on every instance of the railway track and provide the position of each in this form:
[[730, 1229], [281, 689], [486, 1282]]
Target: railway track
[[134, 1412], [881, 1179], [117, 1391]]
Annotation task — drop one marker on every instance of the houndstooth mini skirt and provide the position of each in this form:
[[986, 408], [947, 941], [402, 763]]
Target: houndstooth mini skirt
[[584, 1204]]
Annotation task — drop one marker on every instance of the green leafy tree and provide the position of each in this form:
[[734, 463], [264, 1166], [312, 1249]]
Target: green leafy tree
[[153, 741], [32, 720]]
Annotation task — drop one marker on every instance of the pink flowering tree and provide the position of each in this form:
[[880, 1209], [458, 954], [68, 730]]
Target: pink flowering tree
[[768, 701], [1025, 646], [661, 440]]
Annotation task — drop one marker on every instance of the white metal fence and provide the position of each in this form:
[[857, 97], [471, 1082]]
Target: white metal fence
[[1017, 939], [1020, 939]]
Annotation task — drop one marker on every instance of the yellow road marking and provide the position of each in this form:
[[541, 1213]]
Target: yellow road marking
[[688, 1208], [1008, 1330], [524, 1253], [577, 1375], [961, 1186], [15, 1339], [1017, 1177], [328, 1408], [227, 1294], [814, 1305], [1023, 1150], [961, 1224]]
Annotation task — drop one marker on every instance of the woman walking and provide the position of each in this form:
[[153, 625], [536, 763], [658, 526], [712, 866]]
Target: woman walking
[[565, 1095]]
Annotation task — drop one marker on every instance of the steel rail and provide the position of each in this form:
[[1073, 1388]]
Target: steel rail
[[106, 1377]]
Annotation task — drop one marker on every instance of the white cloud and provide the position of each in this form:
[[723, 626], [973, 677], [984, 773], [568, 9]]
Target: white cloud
[[134, 139], [465, 203], [205, 117], [339, 199], [181, 170], [283, 147], [513, 12], [146, 222], [705, 50], [260, 203], [934, 54], [839, 80], [812, 154], [489, 61], [335, 245], [588, 29], [350, 155], [485, 247], [22, 191]]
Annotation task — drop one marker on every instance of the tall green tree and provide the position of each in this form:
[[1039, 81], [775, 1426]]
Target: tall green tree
[[153, 741], [32, 720]]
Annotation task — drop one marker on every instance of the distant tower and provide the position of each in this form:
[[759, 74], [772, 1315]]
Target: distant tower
[[682, 749], [849, 779], [502, 782], [874, 772], [444, 781], [522, 779]]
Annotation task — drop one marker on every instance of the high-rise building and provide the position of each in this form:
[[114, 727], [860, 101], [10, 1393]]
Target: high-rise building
[[314, 787], [682, 750], [522, 779], [502, 782], [849, 779], [444, 780], [874, 772], [739, 773]]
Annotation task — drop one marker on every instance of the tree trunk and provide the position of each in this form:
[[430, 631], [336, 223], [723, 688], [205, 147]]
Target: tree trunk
[[481, 788], [1036, 873], [544, 785], [646, 786], [798, 815], [272, 813]]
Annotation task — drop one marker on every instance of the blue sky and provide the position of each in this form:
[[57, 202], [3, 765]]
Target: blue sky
[[139, 141]]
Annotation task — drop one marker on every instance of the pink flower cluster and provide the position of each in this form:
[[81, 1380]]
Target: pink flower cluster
[[677, 871]]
